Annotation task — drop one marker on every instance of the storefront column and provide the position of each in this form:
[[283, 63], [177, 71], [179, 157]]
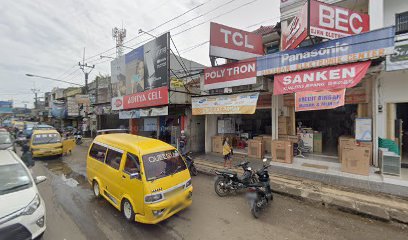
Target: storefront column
[[276, 100], [391, 116], [210, 130]]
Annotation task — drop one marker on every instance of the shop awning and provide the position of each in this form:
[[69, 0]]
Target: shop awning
[[242, 103]]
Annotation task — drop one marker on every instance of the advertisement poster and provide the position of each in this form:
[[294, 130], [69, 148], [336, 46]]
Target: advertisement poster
[[58, 109], [364, 129], [329, 21], [156, 62], [296, 31], [118, 76], [135, 71], [355, 48], [6, 107], [230, 75], [399, 59], [117, 103], [336, 77], [244, 103], [309, 100], [232, 43]]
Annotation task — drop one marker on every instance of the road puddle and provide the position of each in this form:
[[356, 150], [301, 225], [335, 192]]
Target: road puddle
[[67, 175]]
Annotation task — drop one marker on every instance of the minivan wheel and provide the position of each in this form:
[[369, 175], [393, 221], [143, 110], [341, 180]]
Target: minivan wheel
[[127, 210], [96, 189]]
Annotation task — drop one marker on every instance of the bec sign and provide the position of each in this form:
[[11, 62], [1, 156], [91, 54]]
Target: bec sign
[[232, 43]]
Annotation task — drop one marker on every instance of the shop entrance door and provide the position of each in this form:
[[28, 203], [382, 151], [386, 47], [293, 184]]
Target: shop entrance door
[[401, 131]]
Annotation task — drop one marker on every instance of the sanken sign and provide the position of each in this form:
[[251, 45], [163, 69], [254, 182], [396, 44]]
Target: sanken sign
[[232, 43], [230, 75]]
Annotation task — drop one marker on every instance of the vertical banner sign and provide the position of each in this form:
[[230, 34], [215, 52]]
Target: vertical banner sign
[[341, 76], [230, 75], [327, 99], [232, 43], [329, 21], [135, 71], [156, 62], [296, 31]]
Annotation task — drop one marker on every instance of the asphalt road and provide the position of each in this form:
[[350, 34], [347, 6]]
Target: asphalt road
[[73, 213]]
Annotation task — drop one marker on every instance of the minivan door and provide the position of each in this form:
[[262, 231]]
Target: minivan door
[[132, 185], [113, 175]]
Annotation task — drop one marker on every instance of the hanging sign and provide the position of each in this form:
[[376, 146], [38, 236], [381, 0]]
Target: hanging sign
[[296, 31], [399, 59], [341, 76], [232, 43], [355, 48], [230, 75], [327, 99], [243, 103]]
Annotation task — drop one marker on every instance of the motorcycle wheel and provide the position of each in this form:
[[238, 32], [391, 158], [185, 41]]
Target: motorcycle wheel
[[255, 210], [219, 189], [193, 170]]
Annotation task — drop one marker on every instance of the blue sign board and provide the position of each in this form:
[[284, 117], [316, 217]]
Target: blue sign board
[[360, 47], [6, 107]]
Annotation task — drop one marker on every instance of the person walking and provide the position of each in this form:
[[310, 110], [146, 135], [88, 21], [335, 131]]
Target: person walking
[[27, 157], [182, 143], [226, 152]]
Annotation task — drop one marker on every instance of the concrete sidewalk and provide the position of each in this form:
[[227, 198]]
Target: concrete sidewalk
[[373, 204]]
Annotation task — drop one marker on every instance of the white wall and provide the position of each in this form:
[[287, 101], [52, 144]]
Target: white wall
[[210, 130], [391, 7]]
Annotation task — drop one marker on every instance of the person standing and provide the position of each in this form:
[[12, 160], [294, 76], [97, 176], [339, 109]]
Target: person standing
[[226, 152], [182, 142]]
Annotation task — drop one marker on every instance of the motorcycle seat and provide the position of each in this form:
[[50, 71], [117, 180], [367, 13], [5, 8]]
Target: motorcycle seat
[[227, 172]]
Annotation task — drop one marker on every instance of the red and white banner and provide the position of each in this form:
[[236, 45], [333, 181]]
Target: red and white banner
[[232, 43], [117, 103], [340, 76], [230, 75], [329, 21], [155, 97], [296, 31], [326, 99]]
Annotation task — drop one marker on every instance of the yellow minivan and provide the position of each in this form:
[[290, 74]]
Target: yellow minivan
[[45, 143], [146, 179]]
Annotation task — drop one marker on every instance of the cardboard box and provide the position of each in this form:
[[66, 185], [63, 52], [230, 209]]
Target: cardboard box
[[284, 125], [217, 143], [282, 151], [292, 138], [255, 149], [284, 120], [344, 141], [267, 144], [317, 142], [356, 159]]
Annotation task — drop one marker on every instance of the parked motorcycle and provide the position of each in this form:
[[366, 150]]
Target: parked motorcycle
[[260, 193], [229, 181], [78, 138], [190, 164]]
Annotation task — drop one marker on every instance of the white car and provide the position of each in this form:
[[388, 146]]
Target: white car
[[22, 210]]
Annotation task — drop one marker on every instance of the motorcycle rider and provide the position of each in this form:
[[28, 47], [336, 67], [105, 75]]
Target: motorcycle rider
[[182, 143], [226, 152]]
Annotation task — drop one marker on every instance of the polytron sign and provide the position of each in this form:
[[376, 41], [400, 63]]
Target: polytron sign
[[232, 43], [328, 21]]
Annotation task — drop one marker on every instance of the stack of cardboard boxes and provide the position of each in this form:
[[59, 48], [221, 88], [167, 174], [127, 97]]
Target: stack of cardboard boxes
[[255, 149], [266, 142], [282, 151], [217, 143], [284, 125], [355, 157]]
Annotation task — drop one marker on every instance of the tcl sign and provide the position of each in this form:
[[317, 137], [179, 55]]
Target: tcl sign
[[332, 22], [232, 43]]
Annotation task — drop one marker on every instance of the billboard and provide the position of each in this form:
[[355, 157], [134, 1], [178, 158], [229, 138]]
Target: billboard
[[327, 99], [243, 103], [230, 75], [72, 107], [329, 21], [335, 77], [354, 48], [6, 107], [134, 61], [232, 43], [118, 76], [58, 109], [296, 31]]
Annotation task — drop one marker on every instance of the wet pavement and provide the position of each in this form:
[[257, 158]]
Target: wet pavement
[[73, 213]]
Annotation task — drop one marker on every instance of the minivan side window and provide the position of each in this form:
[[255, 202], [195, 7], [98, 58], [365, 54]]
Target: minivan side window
[[132, 164], [98, 152], [113, 158]]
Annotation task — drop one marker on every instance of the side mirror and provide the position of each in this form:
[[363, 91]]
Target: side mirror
[[40, 179], [135, 175], [264, 160]]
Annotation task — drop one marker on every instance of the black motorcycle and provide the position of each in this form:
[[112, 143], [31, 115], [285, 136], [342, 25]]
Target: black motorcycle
[[190, 164], [260, 193], [229, 181]]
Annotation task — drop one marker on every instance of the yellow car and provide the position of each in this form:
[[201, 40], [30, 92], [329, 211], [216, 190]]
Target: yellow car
[[144, 178], [46, 143]]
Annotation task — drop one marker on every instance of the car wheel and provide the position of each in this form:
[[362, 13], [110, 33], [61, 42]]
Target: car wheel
[[127, 211], [96, 189]]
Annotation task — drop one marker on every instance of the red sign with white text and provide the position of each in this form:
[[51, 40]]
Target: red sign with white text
[[296, 31], [340, 76], [232, 43], [230, 75], [327, 99], [155, 97], [329, 21]]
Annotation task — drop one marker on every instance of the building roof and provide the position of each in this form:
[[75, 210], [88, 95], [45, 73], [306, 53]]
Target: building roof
[[263, 30]]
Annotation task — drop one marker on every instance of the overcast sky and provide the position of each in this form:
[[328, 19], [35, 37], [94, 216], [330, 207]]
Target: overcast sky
[[47, 37]]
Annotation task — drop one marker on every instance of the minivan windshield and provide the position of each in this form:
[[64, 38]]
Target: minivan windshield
[[46, 138], [162, 164], [5, 138], [13, 177]]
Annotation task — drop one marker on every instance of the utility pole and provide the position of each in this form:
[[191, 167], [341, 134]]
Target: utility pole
[[84, 66], [35, 91]]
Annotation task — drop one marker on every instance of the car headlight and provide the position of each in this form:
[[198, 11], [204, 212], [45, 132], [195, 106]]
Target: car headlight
[[153, 198], [188, 183], [32, 206]]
